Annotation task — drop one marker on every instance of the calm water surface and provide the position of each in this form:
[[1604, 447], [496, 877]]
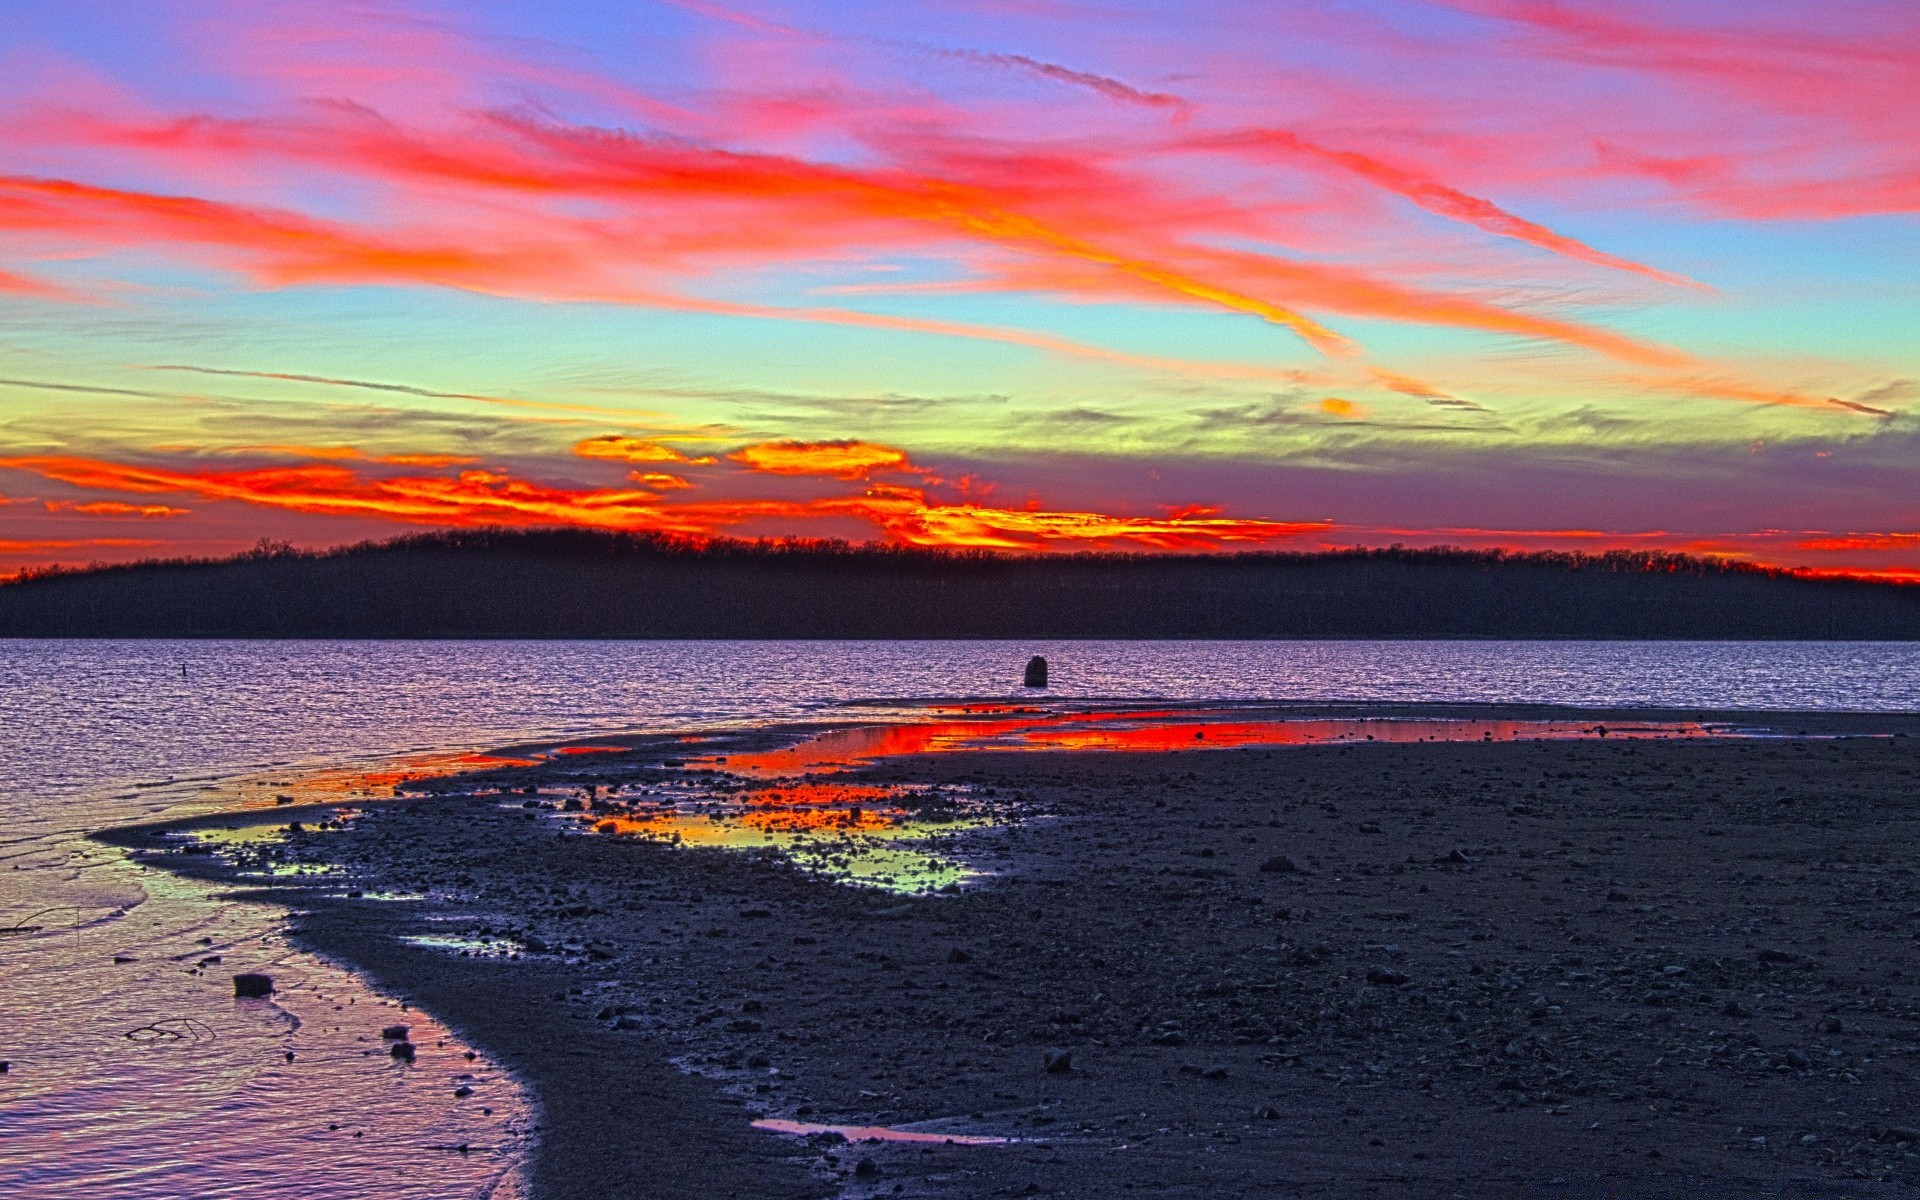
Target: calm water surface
[[145, 1078]]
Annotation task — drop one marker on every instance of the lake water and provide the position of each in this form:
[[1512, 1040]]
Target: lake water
[[146, 1078]]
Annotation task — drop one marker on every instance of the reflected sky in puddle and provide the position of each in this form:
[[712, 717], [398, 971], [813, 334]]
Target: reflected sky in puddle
[[265, 849], [468, 947], [885, 836]]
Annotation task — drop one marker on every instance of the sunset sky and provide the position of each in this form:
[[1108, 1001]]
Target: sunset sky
[[1042, 274]]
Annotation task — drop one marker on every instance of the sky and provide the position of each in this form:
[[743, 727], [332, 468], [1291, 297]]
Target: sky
[[1038, 275]]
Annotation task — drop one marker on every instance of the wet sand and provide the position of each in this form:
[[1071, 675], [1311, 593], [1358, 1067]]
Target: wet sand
[[1578, 969]]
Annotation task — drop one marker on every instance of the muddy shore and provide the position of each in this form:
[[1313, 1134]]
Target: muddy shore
[[1573, 969]]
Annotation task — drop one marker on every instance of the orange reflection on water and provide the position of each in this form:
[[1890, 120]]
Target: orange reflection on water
[[814, 794], [335, 784], [821, 820], [878, 835], [748, 828], [840, 749], [1149, 730]]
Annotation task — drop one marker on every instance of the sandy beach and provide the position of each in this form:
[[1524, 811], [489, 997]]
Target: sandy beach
[[1584, 968]]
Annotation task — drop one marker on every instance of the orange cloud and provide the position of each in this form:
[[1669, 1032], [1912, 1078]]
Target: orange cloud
[[840, 460], [1861, 541], [114, 508], [1335, 406], [484, 497], [909, 519], [657, 481], [16, 547], [627, 449]]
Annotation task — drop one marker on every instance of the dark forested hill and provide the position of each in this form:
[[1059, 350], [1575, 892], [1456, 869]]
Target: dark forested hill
[[569, 583]]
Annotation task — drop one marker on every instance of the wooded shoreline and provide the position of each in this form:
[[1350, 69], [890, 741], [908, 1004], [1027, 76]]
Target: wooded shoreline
[[588, 584]]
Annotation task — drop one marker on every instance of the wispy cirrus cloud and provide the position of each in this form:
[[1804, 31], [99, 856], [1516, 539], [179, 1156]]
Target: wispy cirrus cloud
[[1112, 89]]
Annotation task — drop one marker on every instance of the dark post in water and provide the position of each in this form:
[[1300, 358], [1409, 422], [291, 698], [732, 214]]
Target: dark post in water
[[1036, 672]]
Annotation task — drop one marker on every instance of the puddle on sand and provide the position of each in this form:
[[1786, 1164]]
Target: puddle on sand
[[880, 1133], [468, 947], [277, 850], [878, 835]]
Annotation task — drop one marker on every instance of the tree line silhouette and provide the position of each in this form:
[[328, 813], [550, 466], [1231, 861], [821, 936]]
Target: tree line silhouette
[[570, 583]]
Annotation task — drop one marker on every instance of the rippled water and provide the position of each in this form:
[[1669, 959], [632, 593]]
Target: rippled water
[[204, 1102]]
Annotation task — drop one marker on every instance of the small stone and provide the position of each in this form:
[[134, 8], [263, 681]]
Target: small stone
[[759, 1062], [1279, 864], [1386, 976], [395, 1033], [1454, 857], [1266, 1112], [957, 956], [1214, 1073], [403, 1051], [743, 1026], [1058, 1062], [866, 1168], [462, 1092], [252, 986], [1732, 1009]]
